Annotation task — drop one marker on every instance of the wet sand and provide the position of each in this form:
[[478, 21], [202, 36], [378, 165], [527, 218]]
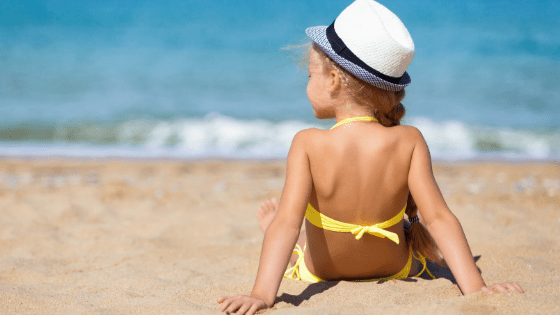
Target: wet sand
[[169, 237]]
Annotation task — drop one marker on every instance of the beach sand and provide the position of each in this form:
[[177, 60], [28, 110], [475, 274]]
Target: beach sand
[[169, 237]]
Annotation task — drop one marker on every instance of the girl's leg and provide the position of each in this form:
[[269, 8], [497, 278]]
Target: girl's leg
[[266, 213]]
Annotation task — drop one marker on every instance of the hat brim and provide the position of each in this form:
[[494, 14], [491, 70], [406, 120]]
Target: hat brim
[[318, 34]]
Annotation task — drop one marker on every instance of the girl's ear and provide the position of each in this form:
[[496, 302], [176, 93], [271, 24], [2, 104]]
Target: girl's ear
[[334, 83]]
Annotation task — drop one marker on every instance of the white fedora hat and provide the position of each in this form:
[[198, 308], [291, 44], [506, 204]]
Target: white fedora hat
[[370, 42]]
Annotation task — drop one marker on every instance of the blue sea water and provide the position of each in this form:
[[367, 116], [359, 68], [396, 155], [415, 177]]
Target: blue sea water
[[194, 79]]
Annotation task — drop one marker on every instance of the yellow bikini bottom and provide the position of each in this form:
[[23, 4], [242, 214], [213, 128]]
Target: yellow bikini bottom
[[300, 272]]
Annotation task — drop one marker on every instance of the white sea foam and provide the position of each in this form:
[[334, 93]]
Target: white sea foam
[[451, 139], [226, 137], [458, 140]]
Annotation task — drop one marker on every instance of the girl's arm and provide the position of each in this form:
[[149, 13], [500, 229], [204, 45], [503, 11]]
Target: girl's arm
[[282, 234], [443, 226]]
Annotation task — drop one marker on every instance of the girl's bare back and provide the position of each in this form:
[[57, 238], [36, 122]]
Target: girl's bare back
[[360, 175]]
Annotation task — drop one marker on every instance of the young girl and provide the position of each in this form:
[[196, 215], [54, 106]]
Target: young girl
[[354, 182]]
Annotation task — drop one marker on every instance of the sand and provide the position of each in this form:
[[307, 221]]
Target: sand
[[169, 237]]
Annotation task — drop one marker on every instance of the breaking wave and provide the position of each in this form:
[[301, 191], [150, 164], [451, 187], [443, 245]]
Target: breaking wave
[[221, 136]]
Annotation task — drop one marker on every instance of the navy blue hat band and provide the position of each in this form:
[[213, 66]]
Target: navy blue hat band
[[343, 51]]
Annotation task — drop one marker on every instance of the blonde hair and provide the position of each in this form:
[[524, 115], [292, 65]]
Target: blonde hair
[[388, 109]]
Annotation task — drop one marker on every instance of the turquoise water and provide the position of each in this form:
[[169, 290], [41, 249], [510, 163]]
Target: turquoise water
[[196, 79]]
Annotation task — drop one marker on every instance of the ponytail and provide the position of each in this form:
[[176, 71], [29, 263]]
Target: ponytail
[[418, 238]]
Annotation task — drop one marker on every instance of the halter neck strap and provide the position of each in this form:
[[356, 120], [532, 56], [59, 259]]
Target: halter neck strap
[[361, 118]]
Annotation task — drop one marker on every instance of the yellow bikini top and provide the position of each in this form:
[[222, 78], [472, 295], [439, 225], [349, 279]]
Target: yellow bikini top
[[361, 118], [322, 221]]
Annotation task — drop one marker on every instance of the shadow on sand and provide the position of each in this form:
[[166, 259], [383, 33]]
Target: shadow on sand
[[443, 272], [310, 291]]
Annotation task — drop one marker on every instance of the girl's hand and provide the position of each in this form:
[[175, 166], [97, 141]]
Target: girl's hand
[[503, 287], [241, 304]]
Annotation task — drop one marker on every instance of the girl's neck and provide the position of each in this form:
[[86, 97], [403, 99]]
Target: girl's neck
[[350, 110]]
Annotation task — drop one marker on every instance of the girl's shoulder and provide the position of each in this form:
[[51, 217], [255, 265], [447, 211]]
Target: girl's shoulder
[[306, 136], [409, 138], [410, 132], [402, 130], [307, 139]]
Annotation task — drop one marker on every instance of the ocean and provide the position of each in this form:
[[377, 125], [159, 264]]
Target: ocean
[[210, 79]]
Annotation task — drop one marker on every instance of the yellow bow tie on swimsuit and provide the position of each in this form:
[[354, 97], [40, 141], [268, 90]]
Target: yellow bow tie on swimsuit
[[322, 221], [361, 118]]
